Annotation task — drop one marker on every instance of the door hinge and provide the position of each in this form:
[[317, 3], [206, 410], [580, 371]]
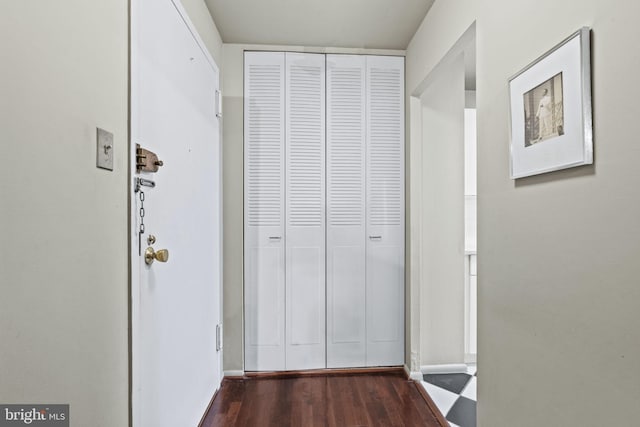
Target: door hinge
[[218, 104], [219, 337]]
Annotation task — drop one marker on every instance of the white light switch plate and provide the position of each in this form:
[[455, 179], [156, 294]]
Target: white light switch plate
[[104, 156]]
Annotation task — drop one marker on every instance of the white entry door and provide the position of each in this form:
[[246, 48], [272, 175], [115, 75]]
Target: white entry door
[[176, 304]]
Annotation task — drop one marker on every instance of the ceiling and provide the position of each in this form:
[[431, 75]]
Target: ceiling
[[372, 24]]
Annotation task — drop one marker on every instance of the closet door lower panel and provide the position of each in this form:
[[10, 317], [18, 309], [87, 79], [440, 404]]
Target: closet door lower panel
[[264, 271], [385, 211], [305, 211], [346, 289]]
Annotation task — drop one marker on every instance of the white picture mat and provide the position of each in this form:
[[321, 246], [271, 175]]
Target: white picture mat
[[562, 151]]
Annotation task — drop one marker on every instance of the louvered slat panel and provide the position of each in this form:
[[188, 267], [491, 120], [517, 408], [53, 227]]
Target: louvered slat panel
[[305, 141], [264, 142], [385, 146], [345, 147]]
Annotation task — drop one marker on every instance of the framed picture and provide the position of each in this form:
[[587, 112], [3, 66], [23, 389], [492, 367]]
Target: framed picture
[[550, 104]]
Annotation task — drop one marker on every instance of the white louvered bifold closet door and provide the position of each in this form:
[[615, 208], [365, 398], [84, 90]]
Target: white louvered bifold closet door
[[385, 210], [264, 134], [305, 208], [324, 260], [346, 289]]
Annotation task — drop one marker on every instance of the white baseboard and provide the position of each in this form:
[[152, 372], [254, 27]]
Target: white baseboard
[[234, 373], [453, 368], [416, 376]]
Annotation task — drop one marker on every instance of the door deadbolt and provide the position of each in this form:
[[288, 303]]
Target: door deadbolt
[[147, 161], [151, 255]]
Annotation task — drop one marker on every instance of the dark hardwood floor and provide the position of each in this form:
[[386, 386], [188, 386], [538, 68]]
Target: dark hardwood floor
[[375, 399]]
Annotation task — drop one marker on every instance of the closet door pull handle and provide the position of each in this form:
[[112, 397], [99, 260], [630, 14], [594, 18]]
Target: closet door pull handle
[[375, 237], [275, 237]]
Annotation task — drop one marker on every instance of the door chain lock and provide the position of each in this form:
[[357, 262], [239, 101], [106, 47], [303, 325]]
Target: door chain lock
[[141, 229]]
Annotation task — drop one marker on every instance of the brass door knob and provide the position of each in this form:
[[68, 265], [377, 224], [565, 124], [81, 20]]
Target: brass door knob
[[150, 255]]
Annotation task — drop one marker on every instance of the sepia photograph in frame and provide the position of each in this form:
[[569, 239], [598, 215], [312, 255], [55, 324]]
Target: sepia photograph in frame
[[543, 111], [550, 110]]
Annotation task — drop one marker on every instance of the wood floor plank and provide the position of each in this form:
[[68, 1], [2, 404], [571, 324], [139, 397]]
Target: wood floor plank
[[351, 400]]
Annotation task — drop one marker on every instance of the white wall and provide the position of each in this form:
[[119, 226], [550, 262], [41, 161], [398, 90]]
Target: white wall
[[442, 216], [63, 222], [201, 18], [470, 180], [232, 78], [558, 290]]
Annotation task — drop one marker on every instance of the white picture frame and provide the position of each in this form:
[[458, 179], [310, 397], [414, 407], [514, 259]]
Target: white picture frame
[[550, 110]]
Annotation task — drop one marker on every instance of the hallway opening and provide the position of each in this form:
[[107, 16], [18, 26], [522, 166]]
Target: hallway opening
[[444, 200]]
